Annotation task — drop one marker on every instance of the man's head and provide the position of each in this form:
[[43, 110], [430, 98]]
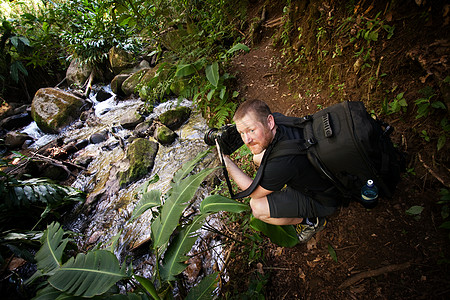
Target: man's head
[[255, 123]]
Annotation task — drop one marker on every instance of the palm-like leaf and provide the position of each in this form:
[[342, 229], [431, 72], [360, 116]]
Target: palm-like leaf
[[216, 203], [149, 199], [49, 257], [88, 274], [39, 190], [180, 194], [188, 167], [174, 257]]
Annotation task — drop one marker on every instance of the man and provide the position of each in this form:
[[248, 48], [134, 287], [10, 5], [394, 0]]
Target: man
[[278, 199]]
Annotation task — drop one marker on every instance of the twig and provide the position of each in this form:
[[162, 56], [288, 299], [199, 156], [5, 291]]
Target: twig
[[432, 172], [372, 273], [59, 162]]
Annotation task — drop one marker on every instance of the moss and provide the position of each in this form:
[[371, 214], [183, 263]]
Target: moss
[[176, 117], [141, 155]]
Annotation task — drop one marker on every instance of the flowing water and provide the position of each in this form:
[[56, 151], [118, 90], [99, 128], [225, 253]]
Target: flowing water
[[109, 208]]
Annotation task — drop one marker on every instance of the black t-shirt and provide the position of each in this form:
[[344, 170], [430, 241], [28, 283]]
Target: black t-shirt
[[294, 170]]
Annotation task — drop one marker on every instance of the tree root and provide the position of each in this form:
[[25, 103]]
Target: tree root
[[372, 273]]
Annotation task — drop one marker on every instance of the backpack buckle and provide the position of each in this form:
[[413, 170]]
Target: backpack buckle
[[311, 141]]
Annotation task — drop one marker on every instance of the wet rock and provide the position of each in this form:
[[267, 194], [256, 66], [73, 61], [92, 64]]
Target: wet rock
[[131, 120], [120, 59], [165, 136], [54, 172], [82, 144], [141, 157], [103, 95], [54, 109], [78, 73], [116, 83], [16, 121], [14, 139], [98, 137], [144, 129], [130, 84], [194, 268], [84, 159], [176, 117]]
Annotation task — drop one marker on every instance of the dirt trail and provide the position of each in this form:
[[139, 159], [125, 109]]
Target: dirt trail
[[381, 253]]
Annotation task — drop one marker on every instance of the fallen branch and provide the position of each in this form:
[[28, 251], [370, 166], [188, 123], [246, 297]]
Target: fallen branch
[[372, 273], [89, 85], [432, 172]]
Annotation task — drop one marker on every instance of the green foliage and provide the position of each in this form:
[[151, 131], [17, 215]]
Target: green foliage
[[284, 236], [398, 104], [183, 187], [445, 209], [332, 253]]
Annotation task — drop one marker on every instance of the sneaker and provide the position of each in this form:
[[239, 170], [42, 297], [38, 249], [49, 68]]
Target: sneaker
[[305, 231]]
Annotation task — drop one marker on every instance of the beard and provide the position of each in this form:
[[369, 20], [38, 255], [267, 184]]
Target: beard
[[256, 147]]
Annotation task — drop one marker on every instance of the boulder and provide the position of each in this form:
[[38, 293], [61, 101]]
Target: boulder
[[165, 136], [176, 117], [16, 121], [130, 84], [141, 157], [54, 109], [116, 83], [103, 95], [120, 59], [131, 120], [78, 73], [14, 140]]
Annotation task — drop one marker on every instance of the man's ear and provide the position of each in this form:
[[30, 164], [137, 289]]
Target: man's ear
[[271, 121]]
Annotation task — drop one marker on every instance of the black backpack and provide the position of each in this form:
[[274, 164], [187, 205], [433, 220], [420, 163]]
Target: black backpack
[[347, 146]]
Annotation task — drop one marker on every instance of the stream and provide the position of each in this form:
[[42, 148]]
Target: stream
[[109, 210]]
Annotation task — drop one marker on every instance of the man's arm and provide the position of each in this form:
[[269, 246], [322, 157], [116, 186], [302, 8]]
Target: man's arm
[[243, 180]]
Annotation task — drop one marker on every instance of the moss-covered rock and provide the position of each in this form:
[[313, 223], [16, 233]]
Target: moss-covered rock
[[54, 109], [176, 117], [78, 73], [119, 59], [130, 84], [165, 136], [116, 83], [141, 156]]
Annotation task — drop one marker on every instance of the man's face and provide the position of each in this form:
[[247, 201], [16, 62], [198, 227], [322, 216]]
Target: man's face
[[256, 135]]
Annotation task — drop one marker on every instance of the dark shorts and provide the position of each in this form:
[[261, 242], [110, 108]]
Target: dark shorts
[[290, 203]]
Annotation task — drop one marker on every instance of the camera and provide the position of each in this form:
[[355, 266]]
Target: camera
[[227, 136]]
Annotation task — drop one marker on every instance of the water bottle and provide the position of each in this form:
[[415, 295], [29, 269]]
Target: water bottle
[[369, 194]]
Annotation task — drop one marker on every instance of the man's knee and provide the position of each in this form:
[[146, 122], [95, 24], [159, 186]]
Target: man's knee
[[260, 208]]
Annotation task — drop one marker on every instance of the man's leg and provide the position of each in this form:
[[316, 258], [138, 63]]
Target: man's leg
[[260, 210]]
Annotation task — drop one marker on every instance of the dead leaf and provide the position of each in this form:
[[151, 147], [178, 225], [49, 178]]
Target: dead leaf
[[312, 244], [259, 268]]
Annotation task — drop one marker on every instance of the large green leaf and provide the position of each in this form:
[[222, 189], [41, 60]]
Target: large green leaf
[[284, 236], [174, 257], [185, 70], [212, 73], [238, 46], [40, 190], [179, 196], [49, 257], [148, 286], [204, 290], [149, 199], [88, 274], [216, 203], [188, 167]]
